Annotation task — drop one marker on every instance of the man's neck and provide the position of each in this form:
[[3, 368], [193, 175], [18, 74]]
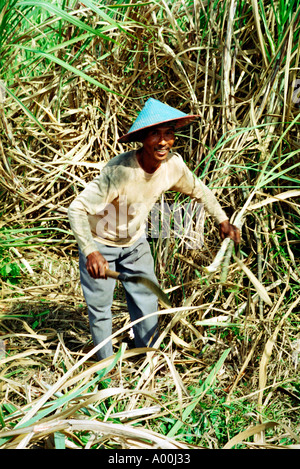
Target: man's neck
[[146, 165]]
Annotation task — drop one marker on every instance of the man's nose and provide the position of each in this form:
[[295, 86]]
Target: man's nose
[[162, 140]]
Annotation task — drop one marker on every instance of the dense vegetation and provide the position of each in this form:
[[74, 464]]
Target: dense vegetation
[[74, 75]]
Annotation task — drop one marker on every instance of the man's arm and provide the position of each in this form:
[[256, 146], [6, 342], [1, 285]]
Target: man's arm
[[192, 186], [90, 202], [189, 184]]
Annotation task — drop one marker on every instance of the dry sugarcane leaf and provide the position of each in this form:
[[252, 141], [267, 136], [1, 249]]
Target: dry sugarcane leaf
[[219, 257], [259, 287], [132, 414], [268, 351], [259, 31], [249, 432], [112, 429], [275, 198], [183, 343]]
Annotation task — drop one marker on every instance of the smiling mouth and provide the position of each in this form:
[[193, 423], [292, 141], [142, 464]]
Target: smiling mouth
[[162, 151]]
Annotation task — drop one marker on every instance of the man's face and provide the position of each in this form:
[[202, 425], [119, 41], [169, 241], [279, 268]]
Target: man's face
[[158, 142]]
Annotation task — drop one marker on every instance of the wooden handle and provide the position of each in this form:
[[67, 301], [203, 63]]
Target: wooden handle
[[112, 274]]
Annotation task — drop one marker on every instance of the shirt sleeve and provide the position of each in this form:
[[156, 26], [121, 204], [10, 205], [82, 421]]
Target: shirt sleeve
[[97, 194], [190, 185]]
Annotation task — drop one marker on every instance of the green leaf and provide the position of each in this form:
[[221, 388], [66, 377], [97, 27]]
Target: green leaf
[[199, 394], [59, 440], [65, 16], [67, 66]]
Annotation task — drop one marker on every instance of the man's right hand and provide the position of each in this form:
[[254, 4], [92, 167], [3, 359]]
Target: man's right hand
[[96, 265]]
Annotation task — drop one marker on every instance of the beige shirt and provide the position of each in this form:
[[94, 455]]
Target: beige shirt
[[114, 207]]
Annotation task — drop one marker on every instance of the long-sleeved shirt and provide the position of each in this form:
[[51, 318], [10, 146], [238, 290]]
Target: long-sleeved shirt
[[114, 207]]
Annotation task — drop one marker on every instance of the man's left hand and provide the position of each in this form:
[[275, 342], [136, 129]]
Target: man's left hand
[[226, 230]]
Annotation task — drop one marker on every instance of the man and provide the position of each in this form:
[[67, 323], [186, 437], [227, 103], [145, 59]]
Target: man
[[108, 220]]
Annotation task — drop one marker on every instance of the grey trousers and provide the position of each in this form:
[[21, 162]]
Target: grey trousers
[[98, 294]]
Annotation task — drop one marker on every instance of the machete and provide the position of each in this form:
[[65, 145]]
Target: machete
[[145, 281]]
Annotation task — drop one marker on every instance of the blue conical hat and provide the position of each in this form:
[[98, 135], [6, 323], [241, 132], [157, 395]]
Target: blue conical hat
[[155, 113]]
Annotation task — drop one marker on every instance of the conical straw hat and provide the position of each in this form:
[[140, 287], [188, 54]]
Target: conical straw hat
[[155, 113]]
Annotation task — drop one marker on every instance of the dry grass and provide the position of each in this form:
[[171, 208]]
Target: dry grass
[[226, 366]]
